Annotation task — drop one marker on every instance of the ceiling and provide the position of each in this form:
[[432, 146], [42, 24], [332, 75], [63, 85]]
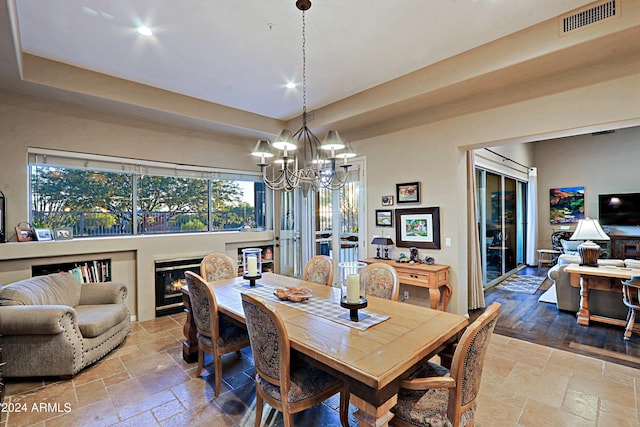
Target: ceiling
[[240, 54]]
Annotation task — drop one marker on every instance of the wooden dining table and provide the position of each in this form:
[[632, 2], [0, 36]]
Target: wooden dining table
[[371, 361]]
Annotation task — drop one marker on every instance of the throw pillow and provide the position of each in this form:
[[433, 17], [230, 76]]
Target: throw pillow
[[570, 245]]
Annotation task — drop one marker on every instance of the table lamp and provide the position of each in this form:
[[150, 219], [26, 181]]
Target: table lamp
[[382, 242], [589, 230]]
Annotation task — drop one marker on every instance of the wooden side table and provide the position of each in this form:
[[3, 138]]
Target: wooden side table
[[434, 277]]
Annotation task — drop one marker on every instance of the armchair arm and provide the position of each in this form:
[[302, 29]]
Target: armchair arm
[[34, 319], [428, 383], [103, 293]]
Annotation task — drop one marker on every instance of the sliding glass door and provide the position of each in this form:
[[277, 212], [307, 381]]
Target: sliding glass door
[[501, 223]]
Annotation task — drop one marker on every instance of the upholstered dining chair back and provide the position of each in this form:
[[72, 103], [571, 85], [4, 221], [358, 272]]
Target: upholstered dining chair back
[[218, 267], [437, 396], [217, 334], [319, 269], [631, 298], [381, 280], [286, 383]]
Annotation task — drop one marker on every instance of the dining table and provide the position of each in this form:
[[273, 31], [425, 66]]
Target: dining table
[[371, 355]]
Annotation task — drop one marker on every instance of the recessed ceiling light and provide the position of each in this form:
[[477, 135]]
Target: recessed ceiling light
[[145, 31], [290, 85]]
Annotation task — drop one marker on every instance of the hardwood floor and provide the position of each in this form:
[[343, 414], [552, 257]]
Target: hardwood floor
[[523, 317]]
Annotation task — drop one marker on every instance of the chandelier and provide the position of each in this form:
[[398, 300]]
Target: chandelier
[[302, 161]]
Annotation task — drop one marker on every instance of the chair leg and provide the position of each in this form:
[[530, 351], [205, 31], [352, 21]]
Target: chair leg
[[259, 408], [288, 419], [200, 362], [239, 354], [217, 365], [630, 321], [344, 406]]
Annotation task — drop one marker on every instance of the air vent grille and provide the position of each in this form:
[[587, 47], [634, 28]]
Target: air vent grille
[[589, 16]]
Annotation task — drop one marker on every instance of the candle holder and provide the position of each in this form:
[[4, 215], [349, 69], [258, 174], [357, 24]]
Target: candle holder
[[252, 265], [352, 286]]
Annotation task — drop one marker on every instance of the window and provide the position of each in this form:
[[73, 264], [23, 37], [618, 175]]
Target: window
[[97, 196]]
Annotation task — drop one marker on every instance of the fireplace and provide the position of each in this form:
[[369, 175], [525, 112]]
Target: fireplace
[[169, 279]]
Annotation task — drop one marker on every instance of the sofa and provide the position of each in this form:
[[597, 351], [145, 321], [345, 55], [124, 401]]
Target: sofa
[[54, 325], [602, 303]]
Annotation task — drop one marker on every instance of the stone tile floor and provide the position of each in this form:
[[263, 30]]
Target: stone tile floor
[[145, 382]]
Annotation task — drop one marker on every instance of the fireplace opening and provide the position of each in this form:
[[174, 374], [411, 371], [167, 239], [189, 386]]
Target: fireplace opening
[[169, 279]]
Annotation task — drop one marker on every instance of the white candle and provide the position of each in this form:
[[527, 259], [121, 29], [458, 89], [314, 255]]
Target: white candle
[[252, 266], [353, 288]]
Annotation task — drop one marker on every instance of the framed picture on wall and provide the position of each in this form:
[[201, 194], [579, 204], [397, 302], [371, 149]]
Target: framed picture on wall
[[566, 205], [408, 192], [419, 228], [384, 218], [387, 200]]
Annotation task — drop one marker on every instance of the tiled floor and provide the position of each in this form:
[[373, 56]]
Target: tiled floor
[[145, 382]]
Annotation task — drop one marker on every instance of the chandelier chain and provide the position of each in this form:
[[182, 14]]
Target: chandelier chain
[[304, 69]]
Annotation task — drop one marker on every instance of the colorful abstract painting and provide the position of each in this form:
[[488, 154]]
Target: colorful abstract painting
[[566, 204]]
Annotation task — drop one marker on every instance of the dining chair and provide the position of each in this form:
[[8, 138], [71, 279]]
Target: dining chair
[[381, 280], [435, 395], [319, 269], [286, 382], [217, 334], [218, 267], [631, 298]]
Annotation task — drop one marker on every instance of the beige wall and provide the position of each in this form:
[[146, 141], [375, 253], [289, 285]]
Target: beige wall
[[601, 164], [432, 154], [27, 122]]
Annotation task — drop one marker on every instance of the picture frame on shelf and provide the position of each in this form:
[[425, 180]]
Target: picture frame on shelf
[[418, 227], [408, 192], [43, 234], [63, 233], [24, 232], [387, 200], [384, 218]]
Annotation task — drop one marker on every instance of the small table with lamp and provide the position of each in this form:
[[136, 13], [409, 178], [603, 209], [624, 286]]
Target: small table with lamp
[[434, 277]]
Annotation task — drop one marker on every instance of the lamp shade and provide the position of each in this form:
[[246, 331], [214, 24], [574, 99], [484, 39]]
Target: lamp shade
[[589, 229], [285, 141], [386, 241], [263, 149]]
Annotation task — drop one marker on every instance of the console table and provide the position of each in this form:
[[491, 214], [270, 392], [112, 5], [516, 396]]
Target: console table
[[434, 277], [604, 278]]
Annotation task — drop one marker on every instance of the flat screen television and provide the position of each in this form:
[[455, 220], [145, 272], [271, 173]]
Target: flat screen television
[[619, 209]]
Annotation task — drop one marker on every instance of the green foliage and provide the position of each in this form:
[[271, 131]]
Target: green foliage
[[193, 225]]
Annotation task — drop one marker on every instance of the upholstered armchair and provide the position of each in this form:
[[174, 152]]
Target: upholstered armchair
[[381, 280], [631, 298], [435, 396], [218, 267], [287, 383], [319, 269], [217, 334]]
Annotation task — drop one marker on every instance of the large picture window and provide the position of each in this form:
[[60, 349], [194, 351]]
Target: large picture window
[[94, 198]]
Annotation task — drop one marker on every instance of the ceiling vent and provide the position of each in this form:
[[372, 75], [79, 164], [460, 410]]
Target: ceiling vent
[[602, 10]]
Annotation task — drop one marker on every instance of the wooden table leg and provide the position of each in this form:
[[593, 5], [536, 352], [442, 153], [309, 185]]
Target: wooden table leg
[[439, 299], [373, 416], [583, 313], [434, 298]]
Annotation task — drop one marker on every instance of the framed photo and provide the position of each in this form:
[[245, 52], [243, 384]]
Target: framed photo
[[387, 200], [408, 193], [25, 234], [63, 233], [43, 234], [384, 218], [419, 228]]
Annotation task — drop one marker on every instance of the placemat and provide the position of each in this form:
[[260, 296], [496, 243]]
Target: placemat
[[320, 307]]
